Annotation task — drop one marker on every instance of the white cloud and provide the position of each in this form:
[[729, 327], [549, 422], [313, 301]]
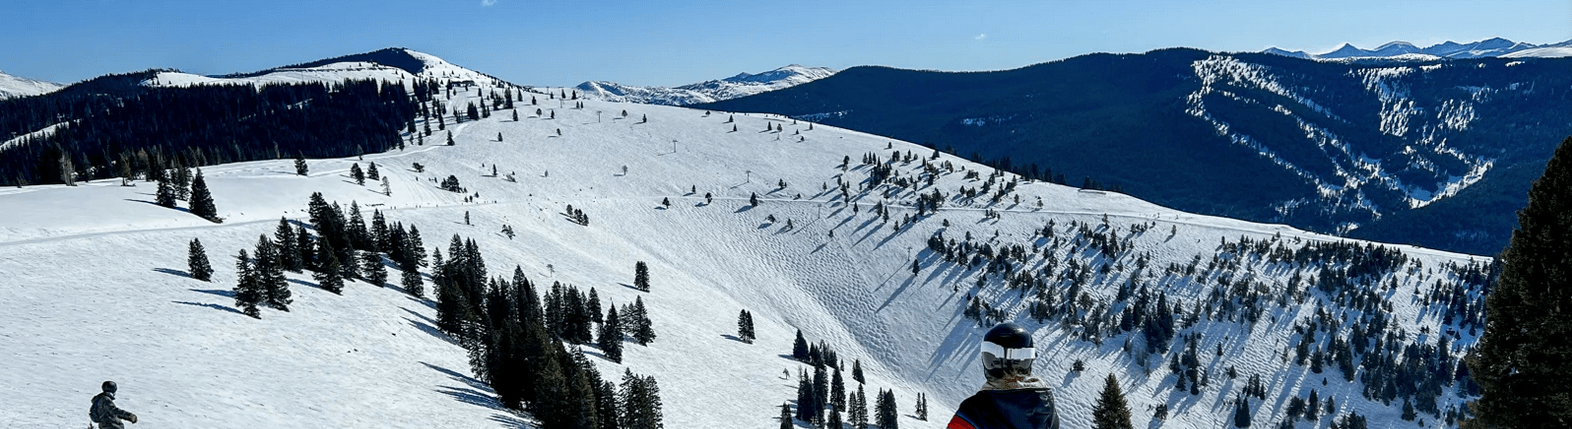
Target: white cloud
[[487, 2], [979, 36]]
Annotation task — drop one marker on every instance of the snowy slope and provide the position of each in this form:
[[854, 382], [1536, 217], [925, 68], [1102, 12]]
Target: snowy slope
[[741, 85], [16, 86], [96, 289], [1399, 50], [431, 68]]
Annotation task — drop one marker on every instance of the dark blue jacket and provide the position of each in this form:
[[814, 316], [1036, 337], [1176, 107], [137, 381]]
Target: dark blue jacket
[[1026, 408], [105, 413]]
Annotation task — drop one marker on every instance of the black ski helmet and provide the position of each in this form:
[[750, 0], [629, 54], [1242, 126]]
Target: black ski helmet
[[1007, 350], [109, 386]]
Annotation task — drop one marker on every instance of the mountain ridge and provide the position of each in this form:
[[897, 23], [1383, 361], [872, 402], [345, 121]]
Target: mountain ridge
[[1352, 141], [739, 85], [1488, 48], [12, 86]]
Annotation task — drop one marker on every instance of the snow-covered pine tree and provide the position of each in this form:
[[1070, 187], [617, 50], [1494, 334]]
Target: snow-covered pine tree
[[202, 199], [328, 274], [247, 292], [196, 262]]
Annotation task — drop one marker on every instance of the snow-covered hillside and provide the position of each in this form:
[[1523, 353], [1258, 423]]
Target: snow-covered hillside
[[96, 285], [16, 86], [430, 67], [741, 85], [1399, 50]]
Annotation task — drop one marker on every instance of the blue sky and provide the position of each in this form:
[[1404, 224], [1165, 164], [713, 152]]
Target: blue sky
[[564, 42]]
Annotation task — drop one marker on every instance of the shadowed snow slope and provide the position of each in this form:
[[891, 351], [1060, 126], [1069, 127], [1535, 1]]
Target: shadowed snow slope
[[96, 289]]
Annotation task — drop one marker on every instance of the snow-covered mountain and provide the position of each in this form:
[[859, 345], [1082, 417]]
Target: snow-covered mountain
[[392, 65], [97, 288], [16, 86], [741, 85], [1493, 47]]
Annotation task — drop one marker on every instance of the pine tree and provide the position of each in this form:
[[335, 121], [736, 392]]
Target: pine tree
[[356, 173], [805, 404], [410, 278], [610, 336], [1242, 412], [838, 390], [372, 268], [745, 327], [166, 193], [196, 261], [288, 250], [799, 348], [753, 199], [1111, 411], [300, 165], [247, 292], [270, 275], [328, 274], [857, 371], [372, 173], [887, 413], [821, 391], [859, 409], [641, 276], [643, 329], [202, 200], [785, 417], [1520, 361]]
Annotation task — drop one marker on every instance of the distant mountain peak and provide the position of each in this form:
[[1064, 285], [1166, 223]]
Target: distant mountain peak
[[12, 86], [387, 64], [1402, 50]]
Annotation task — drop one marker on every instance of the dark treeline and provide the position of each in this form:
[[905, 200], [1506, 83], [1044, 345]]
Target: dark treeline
[[114, 126]]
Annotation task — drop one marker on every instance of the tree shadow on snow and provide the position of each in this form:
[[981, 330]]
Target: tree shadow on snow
[[428, 326], [209, 305], [219, 292], [183, 209], [478, 394], [174, 272]]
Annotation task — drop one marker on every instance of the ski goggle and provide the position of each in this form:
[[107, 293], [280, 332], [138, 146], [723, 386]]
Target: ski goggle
[[998, 361]]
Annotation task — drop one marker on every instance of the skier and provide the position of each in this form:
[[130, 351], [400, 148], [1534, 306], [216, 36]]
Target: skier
[[104, 411], [1012, 398]]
